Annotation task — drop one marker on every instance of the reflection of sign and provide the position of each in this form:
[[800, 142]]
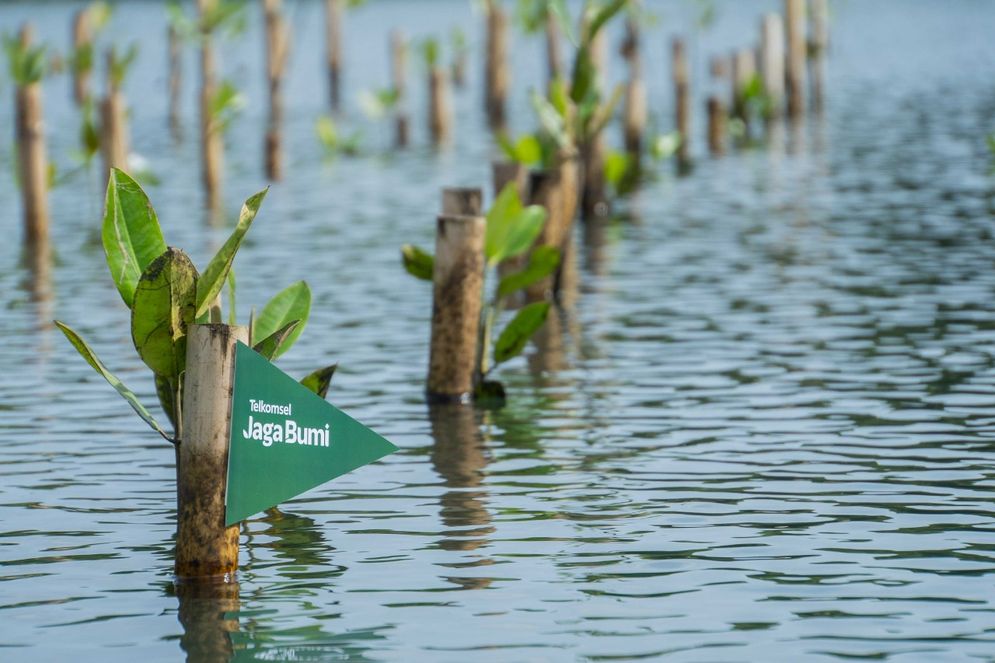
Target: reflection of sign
[[285, 439]]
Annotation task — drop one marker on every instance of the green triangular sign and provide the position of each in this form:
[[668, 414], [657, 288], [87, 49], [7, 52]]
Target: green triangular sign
[[285, 439]]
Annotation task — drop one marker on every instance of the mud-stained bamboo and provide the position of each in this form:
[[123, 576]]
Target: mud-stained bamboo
[[794, 17], [113, 125], [458, 279], [716, 126], [440, 114], [680, 72], [333, 50], [175, 79], [212, 145], [497, 78], [462, 201], [634, 110], [32, 157], [817, 51], [398, 77], [205, 548], [82, 42], [277, 42], [772, 62]]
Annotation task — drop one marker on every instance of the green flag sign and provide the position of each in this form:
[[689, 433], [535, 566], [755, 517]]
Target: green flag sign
[[285, 439]]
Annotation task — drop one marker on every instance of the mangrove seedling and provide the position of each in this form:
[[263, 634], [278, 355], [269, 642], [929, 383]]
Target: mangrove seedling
[[166, 293], [457, 42], [511, 231], [226, 104], [333, 142]]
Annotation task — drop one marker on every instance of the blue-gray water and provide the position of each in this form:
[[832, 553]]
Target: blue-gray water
[[762, 429]]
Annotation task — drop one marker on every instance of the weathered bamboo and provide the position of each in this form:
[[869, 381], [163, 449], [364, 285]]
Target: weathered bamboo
[[205, 548], [497, 78], [32, 157], [333, 50], [681, 74], [594, 199], [398, 75], [718, 66], [458, 279], [546, 189], [817, 51], [634, 110], [553, 59], [462, 201], [277, 42], [716, 126], [772, 62], [744, 68], [440, 114], [212, 145], [503, 172], [113, 125], [794, 17], [175, 79], [82, 41]]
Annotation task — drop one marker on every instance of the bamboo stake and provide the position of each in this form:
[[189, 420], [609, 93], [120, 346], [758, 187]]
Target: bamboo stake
[[205, 548], [716, 126], [458, 280], [212, 146], [772, 62], [398, 73], [553, 58], [32, 157], [462, 201], [175, 80], [333, 50], [820, 42], [82, 39], [503, 172], [682, 99], [114, 125], [634, 112], [440, 115], [546, 190], [277, 41], [744, 68], [496, 74], [794, 16], [594, 199]]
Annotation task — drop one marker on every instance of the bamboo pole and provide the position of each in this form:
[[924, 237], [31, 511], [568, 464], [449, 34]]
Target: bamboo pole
[[462, 201], [594, 198], [553, 58], [212, 145], [744, 68], [794, 16], [496, 75], [175, 79], [680, 72], [716, 126], [772, 62], [546, 189], [205, 548], [817, 51], [440, 114], [634, 111], [458, 279], [277, 42], [32, 157], [333, 50], [398, 74], [113, 125], [503, 172], [82, 40]]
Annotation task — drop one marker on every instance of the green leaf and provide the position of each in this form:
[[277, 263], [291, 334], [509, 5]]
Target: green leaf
[[213, 279], [293, 303], [550, 120], [603, 15], [166, 391], [543, 262], [616, 166], [319, 380], [232, 317], [162, 310], [511, 230], [528, 150], [513, 338], [418, 262], [270, 345], [131, 235], [91, 358]]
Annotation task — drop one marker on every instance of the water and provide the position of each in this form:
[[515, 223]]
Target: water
[[762, 429]]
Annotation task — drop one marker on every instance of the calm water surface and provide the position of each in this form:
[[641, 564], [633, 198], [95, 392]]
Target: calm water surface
[[762, 428]]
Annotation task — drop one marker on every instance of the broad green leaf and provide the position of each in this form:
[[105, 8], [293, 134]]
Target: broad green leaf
[[213, 279], [543, 262], [616, 166], [131, 235], [319, 380], [91, 358], [528, 150], [584, 74], [293, 303], [513, 338], [511, 230], [418, 262], [269, 346], [162, 310]]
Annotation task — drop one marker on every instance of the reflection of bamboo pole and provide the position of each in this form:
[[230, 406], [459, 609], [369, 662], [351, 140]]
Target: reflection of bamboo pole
[[207, 613], [458, 279], [212, 146], [716, 126], [175, 80], [277, 42], [114, 126], [82, 40], [462, 201], [439, 111], [634, 111], [333, 49], [820, 41], [205, 548], [682, 99], [32, 159], [794, 16], [398, 73], [772, 62], [496, 74]]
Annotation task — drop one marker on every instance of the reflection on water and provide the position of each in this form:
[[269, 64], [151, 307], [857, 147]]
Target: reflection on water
[[208, 613]]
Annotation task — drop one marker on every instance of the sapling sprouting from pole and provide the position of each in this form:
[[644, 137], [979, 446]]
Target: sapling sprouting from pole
[[460, 53], [680, 72], [552, 17], [172, 305], [87, 24], [113, 112], [634, 108], [398, 76], [510, 230], [440, 114]]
